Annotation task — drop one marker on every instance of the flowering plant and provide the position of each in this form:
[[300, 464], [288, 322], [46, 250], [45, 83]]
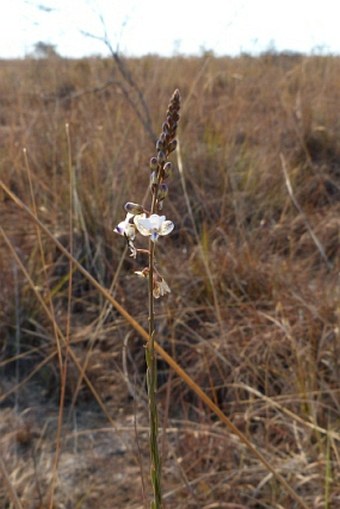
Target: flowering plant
[[149, 223]]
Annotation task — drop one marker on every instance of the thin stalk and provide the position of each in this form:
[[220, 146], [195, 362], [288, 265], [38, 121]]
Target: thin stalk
[[151, 362], [49, 293], [63, 367], [151, 376]]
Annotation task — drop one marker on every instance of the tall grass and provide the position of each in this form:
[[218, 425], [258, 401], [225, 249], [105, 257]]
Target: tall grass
[[253, 313]]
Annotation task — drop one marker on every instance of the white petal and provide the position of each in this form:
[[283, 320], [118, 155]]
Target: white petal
[[120, 228], [123, 226], [166, 228], [130, 231], [156, 221], [143, 225]]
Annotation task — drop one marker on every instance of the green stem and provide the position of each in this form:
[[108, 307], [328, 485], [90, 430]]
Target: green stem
[[151, 376]]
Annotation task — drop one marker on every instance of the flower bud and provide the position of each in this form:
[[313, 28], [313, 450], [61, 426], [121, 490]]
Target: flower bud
[[176, 96], [161, 157], [165, 128], [172, 146], [167, 169], [153, 178], [153, 164], [173, 127], [159, 145], [162, 191], [133, 208]]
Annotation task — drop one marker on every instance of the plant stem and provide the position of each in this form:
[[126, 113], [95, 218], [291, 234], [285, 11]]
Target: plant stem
[[151, 376]]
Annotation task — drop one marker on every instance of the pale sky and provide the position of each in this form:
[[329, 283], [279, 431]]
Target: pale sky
[[138, 27]]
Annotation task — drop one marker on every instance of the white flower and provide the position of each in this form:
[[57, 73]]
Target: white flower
[[126, 228], [153, 226]]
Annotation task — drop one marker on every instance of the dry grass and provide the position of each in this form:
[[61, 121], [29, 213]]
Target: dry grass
[[254, 313]]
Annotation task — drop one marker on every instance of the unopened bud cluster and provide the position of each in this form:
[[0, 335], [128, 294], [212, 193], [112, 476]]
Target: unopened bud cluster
[[161, 168]]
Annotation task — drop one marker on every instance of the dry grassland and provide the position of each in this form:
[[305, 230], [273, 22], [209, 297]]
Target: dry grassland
[[253, 265]]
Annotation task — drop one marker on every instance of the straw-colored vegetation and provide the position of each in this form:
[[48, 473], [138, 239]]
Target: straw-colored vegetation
[[253, 265]]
